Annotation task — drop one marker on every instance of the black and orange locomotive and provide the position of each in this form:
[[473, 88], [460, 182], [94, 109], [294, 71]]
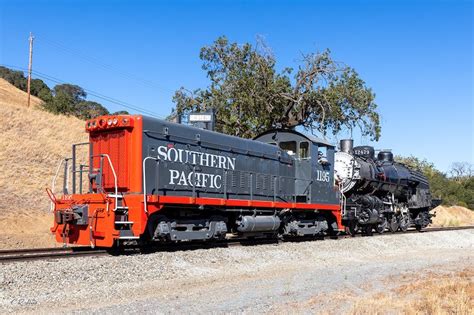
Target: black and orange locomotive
[[145, 180]]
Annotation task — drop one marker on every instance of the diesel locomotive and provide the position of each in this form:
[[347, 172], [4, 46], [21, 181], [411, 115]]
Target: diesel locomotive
[[149, 180]]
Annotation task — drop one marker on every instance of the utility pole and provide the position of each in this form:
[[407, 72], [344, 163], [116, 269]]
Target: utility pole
[[30, 64]]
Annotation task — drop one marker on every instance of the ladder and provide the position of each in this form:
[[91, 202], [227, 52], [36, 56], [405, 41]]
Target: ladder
[[122, 223]]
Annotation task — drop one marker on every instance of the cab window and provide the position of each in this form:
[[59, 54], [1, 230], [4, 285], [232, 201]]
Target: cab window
[[289, 147], [322, 155], [304, 150]]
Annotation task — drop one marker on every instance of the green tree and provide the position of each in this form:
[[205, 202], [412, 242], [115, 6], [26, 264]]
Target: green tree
[[70, 99], [89, 109], [41, 90], [65, 98], [74, 91], [250, 96], [15, 78], [60, 103], [121, 112]]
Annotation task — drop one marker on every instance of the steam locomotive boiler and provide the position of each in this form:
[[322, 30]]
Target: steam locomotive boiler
[[379, 193]]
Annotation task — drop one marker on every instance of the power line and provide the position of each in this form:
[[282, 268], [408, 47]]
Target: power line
[[93, 93], [105, 66]]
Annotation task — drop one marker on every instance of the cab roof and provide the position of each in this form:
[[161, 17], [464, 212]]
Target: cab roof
[[311, 138]]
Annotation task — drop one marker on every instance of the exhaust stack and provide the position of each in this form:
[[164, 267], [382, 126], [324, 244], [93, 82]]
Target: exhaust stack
[[347, 145]]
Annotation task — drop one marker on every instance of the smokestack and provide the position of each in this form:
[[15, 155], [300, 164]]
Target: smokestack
[[385, 155], [347, 145]]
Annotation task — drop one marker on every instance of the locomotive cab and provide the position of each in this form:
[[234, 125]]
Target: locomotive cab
[[314, 164]]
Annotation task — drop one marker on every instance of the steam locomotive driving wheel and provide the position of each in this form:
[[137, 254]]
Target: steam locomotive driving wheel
[[382, 226], [393, 225]]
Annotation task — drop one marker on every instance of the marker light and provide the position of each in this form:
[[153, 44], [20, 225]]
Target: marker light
[[109, 122], [125, 121], [115, 121]]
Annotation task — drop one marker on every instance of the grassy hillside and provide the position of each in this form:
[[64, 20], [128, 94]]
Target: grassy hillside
[[31, 143]]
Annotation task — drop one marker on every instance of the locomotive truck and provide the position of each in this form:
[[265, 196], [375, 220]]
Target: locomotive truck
[[149, 180]]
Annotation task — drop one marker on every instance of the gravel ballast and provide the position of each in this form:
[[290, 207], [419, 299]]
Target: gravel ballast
[[237, 279]]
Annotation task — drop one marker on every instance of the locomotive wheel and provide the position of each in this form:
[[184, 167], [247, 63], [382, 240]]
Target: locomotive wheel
[[368, 230], [394, 224], [404, 222], [382, 226]]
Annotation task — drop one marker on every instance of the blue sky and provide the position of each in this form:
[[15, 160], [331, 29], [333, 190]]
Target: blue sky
[[416, 55]]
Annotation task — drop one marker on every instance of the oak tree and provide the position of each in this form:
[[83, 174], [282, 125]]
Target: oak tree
[[250, 96]]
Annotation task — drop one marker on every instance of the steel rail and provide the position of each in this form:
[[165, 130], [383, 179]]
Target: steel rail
[[28, 254]]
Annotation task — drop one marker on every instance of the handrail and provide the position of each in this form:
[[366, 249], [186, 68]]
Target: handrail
[[55, 177], [115, 179], [53, 182], [145, 205], [343, 200], [74, 164], [53, 199], [113, 173], [69, 170]]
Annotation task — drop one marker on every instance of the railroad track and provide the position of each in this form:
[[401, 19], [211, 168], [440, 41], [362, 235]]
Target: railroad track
[[16, 255], [45, 253]]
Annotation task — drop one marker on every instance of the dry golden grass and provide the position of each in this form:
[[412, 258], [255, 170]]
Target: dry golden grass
[[26, 231], [453, 216], [412, 293], [32, 142], [11, 96], [433, 293]]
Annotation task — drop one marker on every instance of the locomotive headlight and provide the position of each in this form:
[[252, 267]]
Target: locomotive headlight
[[109, 122], [115, 121], [124, 121], [93, 124]]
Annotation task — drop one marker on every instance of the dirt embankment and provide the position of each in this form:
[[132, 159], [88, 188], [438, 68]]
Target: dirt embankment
[[453, 216]]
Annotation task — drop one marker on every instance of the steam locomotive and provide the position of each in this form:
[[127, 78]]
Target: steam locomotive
[[379, 193], [149, 180]]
